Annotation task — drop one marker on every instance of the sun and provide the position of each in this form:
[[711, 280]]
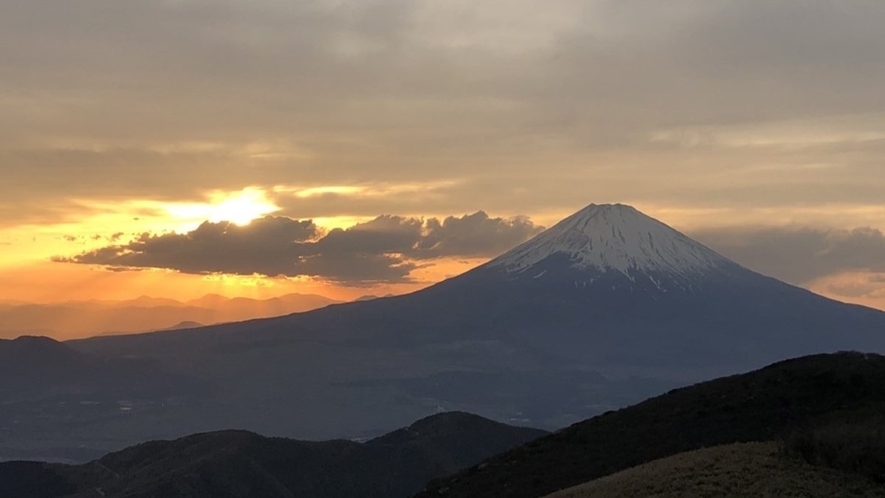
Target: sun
[[239, 208]]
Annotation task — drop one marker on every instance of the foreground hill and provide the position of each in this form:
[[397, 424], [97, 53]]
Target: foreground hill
[[758, 406], [742, 470], [237, 463]]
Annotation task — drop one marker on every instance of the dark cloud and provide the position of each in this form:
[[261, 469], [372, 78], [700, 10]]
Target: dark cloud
[[383, 235], [474, 235], [800, 255], [385, 249], [355, 269], [267, 246]]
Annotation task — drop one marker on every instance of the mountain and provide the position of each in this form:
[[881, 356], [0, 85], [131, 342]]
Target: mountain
[[602, 310], [40, 368], [741, 470], [616, 289], [617, 241], [239, 463], [143, 314], [763, 405]]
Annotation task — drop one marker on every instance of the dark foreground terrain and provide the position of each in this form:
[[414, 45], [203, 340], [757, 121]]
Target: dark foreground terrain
[[805, 427], [740, 470]]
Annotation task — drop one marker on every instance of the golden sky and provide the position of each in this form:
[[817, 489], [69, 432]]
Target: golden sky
[[405, 141]]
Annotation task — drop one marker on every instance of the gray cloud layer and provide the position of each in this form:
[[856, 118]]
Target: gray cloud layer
[[800, 255], [385, 249], [553, 105]]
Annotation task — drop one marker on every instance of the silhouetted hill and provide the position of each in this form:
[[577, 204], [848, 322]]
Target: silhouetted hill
[[238, 463], [46, 387], [33, 480], [757, 406], [33, 368]]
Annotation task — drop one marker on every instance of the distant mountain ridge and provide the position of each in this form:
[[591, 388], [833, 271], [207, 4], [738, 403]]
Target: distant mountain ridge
[[47, 386], [144, 314], [238, 463], [41, 368]]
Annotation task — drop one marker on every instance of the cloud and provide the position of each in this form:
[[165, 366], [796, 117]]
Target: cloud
[[863, 288], [502, 95], [800, 255], [384, 235], [355, 269], [474, 235], [385, 249], [266, 246]]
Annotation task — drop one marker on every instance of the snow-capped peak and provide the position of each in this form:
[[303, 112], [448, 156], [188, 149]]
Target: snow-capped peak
[[614, 237]]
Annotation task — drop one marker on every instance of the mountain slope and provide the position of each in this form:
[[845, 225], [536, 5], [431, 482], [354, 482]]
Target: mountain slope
[[614, 238], [237, 463], [742, 470], [757, 406]]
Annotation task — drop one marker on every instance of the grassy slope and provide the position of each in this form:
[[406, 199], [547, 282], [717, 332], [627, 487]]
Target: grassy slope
[[758, 406], [736, 470]]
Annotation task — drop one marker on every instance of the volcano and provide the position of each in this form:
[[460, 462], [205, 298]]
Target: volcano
[[610, 288], [606, 308]]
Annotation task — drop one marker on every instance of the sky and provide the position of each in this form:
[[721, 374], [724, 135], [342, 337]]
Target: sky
[[181, 147]]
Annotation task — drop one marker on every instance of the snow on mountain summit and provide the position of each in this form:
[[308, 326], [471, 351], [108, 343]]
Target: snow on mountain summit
[[614, 237]]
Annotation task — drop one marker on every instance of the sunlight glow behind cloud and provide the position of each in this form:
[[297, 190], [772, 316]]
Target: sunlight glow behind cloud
[[239, 208]]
